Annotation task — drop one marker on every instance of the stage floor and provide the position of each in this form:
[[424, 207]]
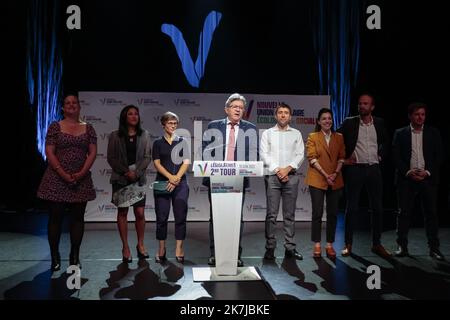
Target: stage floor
[[25, 261]]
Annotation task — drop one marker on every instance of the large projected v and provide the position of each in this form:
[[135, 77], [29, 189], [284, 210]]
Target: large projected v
[[194, 73]]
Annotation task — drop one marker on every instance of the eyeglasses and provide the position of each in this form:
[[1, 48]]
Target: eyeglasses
[[237, 107], [172, 123]]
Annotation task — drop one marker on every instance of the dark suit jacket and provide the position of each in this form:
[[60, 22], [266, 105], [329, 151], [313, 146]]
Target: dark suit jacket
[[117, 157], [432, 152], [250, 153], [350, 131]]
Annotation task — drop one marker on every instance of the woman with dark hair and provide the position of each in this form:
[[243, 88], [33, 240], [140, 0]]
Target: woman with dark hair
[[325, 152], [174, 188], [129, 155], [71, 149]]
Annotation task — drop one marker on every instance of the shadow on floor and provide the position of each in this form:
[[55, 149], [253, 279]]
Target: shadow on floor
[[44, 287], [141, 283]]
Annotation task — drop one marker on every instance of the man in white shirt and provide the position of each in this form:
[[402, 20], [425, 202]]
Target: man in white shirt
[[282, 151], [417, 150]]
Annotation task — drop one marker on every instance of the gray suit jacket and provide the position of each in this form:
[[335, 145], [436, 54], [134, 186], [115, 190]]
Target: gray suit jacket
[[117, 157]]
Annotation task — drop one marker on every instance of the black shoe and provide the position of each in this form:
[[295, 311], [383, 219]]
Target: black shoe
[[75, 261], [401, 252], [270, 254], [56, 262], [212, 261], [293, 254], [240, 263], [436, 254], [142, 255], [180, 259], [74, 258], [160, 259], [127, 260]]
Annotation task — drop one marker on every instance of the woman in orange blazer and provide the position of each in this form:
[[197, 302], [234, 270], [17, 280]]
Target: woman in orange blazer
[[325, 151]]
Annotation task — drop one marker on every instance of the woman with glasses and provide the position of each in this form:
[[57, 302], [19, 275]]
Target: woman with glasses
[[171, 159]]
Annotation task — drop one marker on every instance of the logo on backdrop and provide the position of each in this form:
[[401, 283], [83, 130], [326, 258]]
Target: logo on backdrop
[[203, 168], [92, 119], [111, 102], [248, 112], [200, 118], [256, 208], [149, 102], [185, 103], [194, 73], [265, 111]]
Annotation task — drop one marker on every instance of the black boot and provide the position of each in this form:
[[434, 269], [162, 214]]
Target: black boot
[[56, 261], [74, 257]]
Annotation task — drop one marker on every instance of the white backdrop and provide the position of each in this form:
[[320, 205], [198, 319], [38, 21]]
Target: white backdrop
[[102, 109]]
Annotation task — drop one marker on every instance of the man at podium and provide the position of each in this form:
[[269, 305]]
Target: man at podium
[[229, 139]]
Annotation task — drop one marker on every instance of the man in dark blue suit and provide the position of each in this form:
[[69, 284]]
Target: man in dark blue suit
[[230, 139], [417, 151]]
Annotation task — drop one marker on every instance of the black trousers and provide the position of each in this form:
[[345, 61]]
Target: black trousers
[[317, 202], [358, 177], [407, 191]]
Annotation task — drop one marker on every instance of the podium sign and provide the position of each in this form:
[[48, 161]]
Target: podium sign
[[228, 168], [226, 179]]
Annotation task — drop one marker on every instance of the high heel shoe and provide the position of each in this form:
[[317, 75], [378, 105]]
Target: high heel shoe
[[180, 259], [56, 262], [142, 255], [162, 258], [127, 260]]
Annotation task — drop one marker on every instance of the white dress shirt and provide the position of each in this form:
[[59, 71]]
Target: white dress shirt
[[417, 160], [366, 150], [281, 148], [327, 137]]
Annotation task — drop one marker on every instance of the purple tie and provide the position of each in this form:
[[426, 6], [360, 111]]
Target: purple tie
[[231, 144]]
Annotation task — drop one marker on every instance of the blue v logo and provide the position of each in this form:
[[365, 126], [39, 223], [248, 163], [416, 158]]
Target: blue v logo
[[193, 72]]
